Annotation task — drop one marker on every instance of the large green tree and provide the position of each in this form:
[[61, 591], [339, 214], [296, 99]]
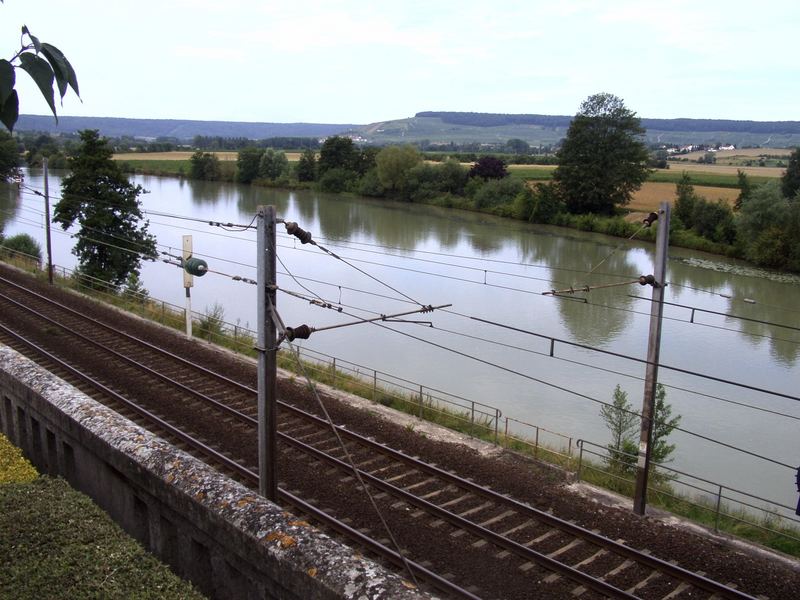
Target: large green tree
[[97, 196], [603, 159], [273, 164], [337, 152], [45, 64], [306, 169], [394, 163], [247, 162]]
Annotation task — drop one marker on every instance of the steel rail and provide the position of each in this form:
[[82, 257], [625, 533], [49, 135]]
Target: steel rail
[[649, 560], [435, 580], [150, 371], [495, 538]]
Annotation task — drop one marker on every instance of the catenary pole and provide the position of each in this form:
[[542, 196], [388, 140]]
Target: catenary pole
[[653, 352], [267, 353], [47, 223]]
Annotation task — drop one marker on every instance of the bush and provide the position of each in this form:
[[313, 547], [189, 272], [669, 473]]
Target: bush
[[497, 192], [22, 243], [337, 180], [211, 325], [370, 185]]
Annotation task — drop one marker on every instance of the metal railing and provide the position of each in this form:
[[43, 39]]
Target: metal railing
[[690, 490]]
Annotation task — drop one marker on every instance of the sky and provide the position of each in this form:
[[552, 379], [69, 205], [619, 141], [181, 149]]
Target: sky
[[365, 61]]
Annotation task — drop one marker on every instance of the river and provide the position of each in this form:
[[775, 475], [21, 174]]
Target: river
[[496, 270]]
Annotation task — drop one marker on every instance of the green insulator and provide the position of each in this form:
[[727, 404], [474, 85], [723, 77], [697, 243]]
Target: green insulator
[[196, 266]]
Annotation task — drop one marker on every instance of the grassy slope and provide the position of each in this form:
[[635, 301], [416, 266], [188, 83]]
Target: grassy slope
[[54, 542]]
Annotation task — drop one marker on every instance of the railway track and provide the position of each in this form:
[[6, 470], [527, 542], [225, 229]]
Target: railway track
[[459, 537]]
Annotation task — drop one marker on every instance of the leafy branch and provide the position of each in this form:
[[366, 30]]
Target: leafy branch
[[46, 65]]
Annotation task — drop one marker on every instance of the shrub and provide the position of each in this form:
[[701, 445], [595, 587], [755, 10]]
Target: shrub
[[337, 180], [22, 243], [497, 192]]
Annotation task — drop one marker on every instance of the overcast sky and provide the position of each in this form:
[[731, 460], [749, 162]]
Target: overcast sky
[[362, 61]]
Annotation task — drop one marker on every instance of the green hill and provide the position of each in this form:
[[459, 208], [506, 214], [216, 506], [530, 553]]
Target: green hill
[[492, 128]]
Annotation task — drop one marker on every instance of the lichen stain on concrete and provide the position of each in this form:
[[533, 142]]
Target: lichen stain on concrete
[[284, 541]]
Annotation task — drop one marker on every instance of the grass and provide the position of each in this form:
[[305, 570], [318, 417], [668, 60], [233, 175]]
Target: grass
[[55, 542], [768, 529], [157, 167]]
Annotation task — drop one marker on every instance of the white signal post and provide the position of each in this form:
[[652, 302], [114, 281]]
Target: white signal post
[[188, 282]]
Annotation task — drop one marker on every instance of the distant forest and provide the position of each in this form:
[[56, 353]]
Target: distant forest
[[705, 125]]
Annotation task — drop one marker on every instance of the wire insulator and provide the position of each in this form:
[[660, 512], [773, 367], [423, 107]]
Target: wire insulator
[[646, 280], [295, 230], [303, 332], [650, 219]]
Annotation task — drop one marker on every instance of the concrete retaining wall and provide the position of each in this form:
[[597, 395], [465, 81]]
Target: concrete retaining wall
[[211, 530]]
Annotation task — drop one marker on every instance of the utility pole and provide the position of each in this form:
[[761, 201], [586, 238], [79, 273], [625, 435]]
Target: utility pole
[[653, 352], [188, 282], [267, 353], [47, 223]]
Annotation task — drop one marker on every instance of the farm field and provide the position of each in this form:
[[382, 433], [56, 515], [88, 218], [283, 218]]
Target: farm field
[[726, 169], [651, 194], [744, 152]]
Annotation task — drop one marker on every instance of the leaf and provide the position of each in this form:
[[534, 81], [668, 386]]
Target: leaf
[[36, 43], [9, 111], [42, 73], [64, 72], [8, 77]]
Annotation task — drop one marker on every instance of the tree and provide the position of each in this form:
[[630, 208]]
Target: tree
[[97, 196], [790, 181], [745, 189], [9, 157], [768, 227], [663, 424], [337, 152], [623, 423], [45, 64], [307, 166], [273, 164], [489, 167], [685, 201], [247, 164], [393, 164], [603, 160], [518, 146], [205, 166]]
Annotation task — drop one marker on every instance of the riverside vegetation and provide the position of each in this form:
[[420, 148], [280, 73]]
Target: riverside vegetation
[[610, 468]]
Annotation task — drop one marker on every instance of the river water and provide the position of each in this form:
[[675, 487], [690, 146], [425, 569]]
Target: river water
[[496, 270]]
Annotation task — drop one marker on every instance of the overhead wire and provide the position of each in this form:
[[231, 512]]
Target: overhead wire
[[544, 336], [575, 393], [548, 383], [476, 269]]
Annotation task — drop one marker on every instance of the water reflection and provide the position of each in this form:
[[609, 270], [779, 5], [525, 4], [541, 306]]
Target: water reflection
[[9, 203], [767, 303]]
